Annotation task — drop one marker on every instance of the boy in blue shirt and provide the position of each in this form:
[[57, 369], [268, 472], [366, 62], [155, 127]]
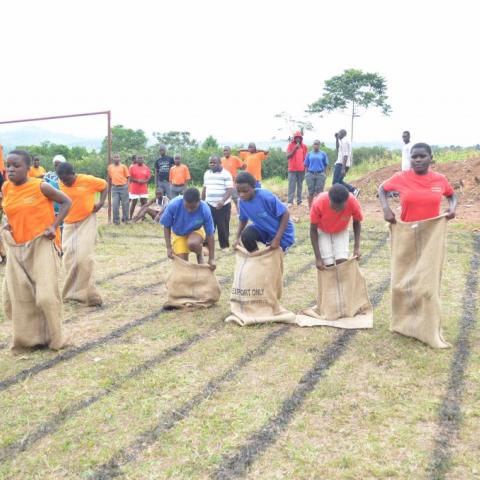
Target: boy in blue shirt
[[270, 218], [316, 163], [187, 223]]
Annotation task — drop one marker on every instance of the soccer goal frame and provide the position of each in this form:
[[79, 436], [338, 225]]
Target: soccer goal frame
[[73, 115]]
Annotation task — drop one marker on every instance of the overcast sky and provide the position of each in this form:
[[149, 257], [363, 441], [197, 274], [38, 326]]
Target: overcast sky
[[226, 68]]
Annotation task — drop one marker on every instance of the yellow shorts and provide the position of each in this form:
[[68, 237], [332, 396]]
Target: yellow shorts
[[180, 244]]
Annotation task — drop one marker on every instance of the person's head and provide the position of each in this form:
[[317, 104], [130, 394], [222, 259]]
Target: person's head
[[58, 160], [66, 174], [342, 133], [338, 195], [298, 137], [18, 164], [116, 159], [134, 159], [191, 199], [140, 159], [162, 149], [252, 148], [227, 151], [177, 159], [406, 136], [215, 163], [316, 145], [245, 185], [36, 160], [159, 193], [420, 158]]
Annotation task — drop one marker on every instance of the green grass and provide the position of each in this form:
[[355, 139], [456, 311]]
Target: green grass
[[373, 415]]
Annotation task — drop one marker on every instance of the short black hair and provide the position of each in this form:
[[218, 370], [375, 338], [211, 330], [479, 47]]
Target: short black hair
[[245, 177], [338, 194], [65, 168], [426, 146], [24, 154], [406, 131], [191, 195]]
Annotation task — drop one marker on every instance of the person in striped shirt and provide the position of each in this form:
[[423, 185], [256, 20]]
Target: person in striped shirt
[[217, 192]]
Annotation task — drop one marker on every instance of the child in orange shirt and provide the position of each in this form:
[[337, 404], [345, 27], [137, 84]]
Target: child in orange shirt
[[36, 170], [253, 159], [79, 234], [179, 177], [32, 293]]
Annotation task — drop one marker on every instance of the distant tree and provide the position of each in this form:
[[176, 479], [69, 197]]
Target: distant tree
[[291, 125], [354, 90], [176, 141], [210, 143], [126, 140]]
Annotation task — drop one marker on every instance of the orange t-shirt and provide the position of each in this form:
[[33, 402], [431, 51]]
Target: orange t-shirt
[[179, 175], [119, 174], [82, 194], [254, 163], [36, 172], [232, 164], [28, 210], [2, 162]]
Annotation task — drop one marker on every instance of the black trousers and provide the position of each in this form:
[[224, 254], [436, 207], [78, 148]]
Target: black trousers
[[221, 220], [250, 237]]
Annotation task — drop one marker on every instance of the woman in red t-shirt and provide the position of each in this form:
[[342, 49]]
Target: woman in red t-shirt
[[420, 189], [139, 176]]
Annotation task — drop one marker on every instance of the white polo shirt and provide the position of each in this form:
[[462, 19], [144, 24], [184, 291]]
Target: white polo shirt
[[216, 184], [407, 147], [344, 149]]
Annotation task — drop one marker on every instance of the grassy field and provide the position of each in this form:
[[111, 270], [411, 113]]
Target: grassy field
[[147, 394]]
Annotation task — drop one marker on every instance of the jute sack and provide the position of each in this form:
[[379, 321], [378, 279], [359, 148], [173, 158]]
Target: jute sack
[[342, 299], [78, 243], [191, 285], [257, 288], [418, 251], [32, 295]]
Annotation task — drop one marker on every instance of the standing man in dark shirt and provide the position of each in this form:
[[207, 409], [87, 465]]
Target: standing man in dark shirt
[[162, 170]]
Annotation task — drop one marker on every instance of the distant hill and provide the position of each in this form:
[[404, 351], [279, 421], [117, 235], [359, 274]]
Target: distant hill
[[35, 135]]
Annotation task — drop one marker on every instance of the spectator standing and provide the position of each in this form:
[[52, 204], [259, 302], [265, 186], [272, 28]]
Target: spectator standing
[[139, 176], [179, 177], [119, 175], [407, 146], [253, 159], [296, 153], [217, 192], [36, 170], [316, 163], [232, 164], [344, 161], [163, 164]]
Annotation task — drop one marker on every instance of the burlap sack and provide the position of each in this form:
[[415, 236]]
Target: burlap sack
[[78, 243], [32, 298], [257, 288], [191, 285], [342, 299], [418, 251]]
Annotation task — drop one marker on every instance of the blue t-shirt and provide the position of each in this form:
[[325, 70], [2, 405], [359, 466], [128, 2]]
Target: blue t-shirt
[[316, 161], [265, 210], [183, 222], [52, 179]]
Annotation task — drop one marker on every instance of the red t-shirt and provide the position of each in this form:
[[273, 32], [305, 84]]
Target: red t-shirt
[[295, 162], [328, 220], [139, 172], [420, 195]]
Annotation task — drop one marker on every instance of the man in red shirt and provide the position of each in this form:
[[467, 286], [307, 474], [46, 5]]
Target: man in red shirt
[[296, 153], [329, 218], [139, 176], [420, 189]]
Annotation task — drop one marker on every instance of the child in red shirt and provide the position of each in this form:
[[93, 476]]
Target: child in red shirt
[[420, 189], [329, 218]]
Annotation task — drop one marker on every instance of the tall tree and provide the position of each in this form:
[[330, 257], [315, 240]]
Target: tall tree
[[291, 124], [176, 141], [210, 143], [126, 140], [354, 90]]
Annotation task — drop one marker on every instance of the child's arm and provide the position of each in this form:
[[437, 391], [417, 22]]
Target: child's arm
[[316, 250], [167, 232], [357, 227], [452, 205], [281, 230], [388, 214], [241, 227]]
